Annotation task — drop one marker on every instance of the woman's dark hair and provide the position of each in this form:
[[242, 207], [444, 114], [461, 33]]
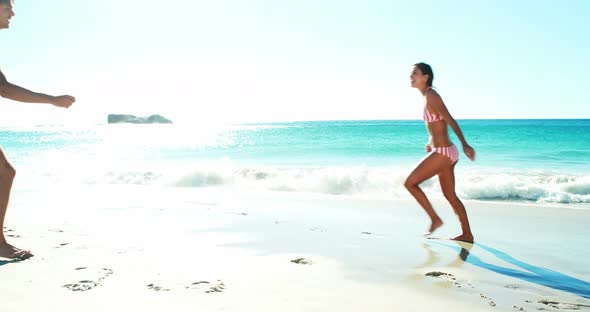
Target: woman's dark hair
[[426, 70]]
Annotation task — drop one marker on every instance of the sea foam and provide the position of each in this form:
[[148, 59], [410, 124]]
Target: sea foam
[[378, 182]]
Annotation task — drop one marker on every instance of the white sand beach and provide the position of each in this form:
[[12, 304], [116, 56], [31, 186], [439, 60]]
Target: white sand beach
[[132, 250]]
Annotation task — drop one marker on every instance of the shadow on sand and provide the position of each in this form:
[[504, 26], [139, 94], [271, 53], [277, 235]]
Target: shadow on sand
[[531, 273]]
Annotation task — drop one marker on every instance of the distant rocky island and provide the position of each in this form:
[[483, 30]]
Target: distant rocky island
[[122, 118]]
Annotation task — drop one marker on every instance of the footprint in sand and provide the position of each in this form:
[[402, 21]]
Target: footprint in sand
[[7, 230], [157, 288], [302, 261], [518, 308], [439, 274], [458, 283], [87, 284], [449, 277], [202, 286], [491, 301], [207, 287], [563, 305]]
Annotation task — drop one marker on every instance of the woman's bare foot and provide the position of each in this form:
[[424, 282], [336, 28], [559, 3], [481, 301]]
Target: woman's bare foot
[[468, 238], [11, 252], [435, 225]]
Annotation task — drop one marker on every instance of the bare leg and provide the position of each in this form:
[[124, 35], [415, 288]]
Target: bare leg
[[426, 169], [7, 174], [446, 178]]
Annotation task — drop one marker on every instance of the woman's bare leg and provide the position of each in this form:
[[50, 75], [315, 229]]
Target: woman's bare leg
[[7, 174], [446, 178], [426, 169]]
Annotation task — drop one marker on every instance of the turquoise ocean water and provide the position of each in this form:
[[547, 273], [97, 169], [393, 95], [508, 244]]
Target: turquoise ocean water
[[531, 161]]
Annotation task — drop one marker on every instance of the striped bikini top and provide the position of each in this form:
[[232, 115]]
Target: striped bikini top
[[428, 116]]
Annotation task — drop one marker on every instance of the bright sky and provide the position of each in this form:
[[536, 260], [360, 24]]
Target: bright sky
[[273, 60]]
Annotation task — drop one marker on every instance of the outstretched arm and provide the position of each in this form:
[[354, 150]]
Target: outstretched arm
[[434, 101], [20, 94]]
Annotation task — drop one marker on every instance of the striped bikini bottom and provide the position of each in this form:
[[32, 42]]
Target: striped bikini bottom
[[450, 151]]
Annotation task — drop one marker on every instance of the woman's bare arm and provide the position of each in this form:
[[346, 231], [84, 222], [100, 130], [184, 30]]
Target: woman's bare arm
[[20, 94], [434, 102]]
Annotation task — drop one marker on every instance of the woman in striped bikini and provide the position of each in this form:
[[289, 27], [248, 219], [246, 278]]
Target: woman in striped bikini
[[442, 153]]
